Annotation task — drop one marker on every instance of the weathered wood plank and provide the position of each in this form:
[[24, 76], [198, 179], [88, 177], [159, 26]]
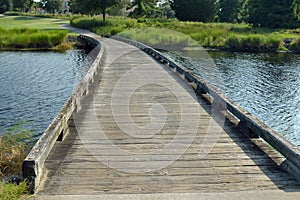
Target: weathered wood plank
[[84, 163]]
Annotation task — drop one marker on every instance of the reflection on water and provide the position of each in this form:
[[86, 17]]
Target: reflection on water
[[35, 85], [267, 85]]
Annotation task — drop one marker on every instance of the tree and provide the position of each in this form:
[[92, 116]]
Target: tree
[[274, 13], [120, 8], [195, 10], [93, 7], [22, 5], [144, 8], [53, 6], [167, 11], [104, 4], [5, 5], [230, 10]]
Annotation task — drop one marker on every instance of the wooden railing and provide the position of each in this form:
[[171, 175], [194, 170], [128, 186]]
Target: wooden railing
[[33, 165], [246, 122]]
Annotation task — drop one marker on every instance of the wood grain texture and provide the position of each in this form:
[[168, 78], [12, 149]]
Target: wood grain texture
[[85, 163]]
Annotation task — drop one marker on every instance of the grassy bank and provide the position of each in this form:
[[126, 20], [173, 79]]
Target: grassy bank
[[14, 146], [12, 191], [25, 38], [234, 37], [32, 33]]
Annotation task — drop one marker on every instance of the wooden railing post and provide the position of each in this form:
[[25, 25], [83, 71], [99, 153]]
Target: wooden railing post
[[33, 165]]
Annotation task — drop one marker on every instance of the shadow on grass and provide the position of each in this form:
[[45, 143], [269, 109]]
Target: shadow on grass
[[25, 18]]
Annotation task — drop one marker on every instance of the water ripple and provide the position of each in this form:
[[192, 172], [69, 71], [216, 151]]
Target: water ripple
[[267, 85], [35, 85]]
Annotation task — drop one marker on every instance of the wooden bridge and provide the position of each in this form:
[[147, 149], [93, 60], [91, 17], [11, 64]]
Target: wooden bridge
[[139, 124]]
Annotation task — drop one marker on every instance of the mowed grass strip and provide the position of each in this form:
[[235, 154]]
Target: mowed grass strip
[[32, 33], [31, 22]]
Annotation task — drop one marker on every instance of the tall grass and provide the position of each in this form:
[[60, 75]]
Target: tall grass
[[24, 38], [14, 146], [234, 37], [12, 191]]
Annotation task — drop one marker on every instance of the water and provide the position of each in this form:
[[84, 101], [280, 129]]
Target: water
[[35, 85], [267, 85]]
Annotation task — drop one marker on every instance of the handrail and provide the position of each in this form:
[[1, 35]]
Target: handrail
[[33, 165], [247, 123]]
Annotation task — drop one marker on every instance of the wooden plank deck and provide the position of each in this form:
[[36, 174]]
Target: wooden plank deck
[[106, 153]]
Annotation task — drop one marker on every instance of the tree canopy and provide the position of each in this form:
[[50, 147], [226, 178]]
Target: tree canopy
[[261, 13], [5, 5], [195, 10], [230, 10], [144, 8], [274, 13]]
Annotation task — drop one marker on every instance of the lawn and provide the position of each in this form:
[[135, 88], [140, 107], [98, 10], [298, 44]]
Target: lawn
[[31, 22], [32, 33]]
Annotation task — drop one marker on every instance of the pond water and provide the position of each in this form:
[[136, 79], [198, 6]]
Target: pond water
[[35, 85], [267, 85]]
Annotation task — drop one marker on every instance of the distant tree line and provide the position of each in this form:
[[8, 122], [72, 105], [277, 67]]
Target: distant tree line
[[262, 13]]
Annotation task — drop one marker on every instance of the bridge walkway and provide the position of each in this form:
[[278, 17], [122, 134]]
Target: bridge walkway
[[142, 130]]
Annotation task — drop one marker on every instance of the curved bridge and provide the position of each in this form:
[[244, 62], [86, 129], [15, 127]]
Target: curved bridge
[[141, 124]]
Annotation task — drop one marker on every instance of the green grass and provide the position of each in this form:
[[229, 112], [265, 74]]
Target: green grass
[[235, 37], [56, 16], [32, 33], [31, 22], [12, 191], [14, 147], [25, 38]]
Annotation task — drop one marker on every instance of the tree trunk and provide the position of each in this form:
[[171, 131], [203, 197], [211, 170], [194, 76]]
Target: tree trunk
[[104, 14]]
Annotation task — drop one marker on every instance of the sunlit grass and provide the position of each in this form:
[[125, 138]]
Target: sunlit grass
[[31, 22], [236, 37], [25, 38], [26, 32], [12, 191], [15, 144]]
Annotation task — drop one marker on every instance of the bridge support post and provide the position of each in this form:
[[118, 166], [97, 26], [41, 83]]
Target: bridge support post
[[291, 169]]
